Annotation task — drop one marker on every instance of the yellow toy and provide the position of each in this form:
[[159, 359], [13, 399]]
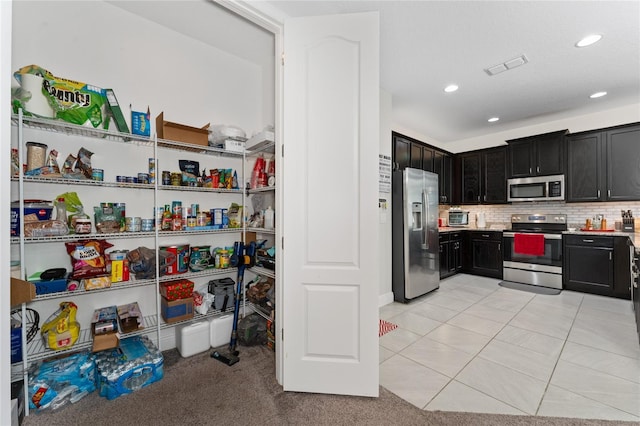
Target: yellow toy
[[61, 330]]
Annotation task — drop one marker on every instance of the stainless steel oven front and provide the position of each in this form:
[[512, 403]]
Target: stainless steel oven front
[[544, 269]]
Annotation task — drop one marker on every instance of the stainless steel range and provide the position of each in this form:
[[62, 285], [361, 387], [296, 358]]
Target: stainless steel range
[[533, 249]]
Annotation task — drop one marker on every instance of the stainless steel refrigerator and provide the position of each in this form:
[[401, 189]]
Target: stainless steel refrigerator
[[415, 253]]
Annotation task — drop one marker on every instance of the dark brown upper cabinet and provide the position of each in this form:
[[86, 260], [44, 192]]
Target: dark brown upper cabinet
[[483, 176], [539, 155], [604, 164], [409, 152]]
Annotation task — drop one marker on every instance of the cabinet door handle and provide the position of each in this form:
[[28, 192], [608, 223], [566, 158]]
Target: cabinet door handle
[[499, 246], [587, 241], [537, 169], [609, 193], [478, 198], [598, 193], [485, 236], [529, 170], [610, 256], [485, 197]]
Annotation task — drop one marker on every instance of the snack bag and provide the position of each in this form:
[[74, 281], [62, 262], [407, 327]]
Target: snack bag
[[87, 258]]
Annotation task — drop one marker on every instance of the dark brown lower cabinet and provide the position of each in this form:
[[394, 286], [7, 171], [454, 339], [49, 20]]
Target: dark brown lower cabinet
[[483, 253], [597, 264]]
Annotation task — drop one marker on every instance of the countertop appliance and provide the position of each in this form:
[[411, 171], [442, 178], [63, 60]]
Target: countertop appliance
[[538, 188], [458, 218], [533, 249], [415, 239]]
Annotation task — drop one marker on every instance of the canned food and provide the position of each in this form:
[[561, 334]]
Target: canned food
[[224, 259], [143, 178], [191, 222], [166, 177], [200, 258], [121, 178], [178, 260], [152, 170], [176, 179], [133, 224], [176, 223], [201, 219], [97, 174], [147, 225]]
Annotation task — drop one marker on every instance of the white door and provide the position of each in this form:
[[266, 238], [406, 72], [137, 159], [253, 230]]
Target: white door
[[330, 249]]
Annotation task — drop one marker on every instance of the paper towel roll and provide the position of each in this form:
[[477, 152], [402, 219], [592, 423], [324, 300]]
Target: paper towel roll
[[38, 103]]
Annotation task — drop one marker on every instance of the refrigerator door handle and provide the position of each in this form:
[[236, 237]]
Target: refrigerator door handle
[[425, 216]]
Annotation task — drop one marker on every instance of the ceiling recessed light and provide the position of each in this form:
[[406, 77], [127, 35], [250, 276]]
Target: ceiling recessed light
[[588, 40], [493, 119], [451, 88], [598, 95]]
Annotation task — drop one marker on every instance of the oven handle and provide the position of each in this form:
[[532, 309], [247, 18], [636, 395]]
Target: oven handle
[[546, 236]]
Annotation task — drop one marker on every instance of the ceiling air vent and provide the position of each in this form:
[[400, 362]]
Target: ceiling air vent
[[507, 65]]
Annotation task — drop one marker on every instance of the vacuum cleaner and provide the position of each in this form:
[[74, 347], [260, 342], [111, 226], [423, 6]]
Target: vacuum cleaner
[[241, 258]]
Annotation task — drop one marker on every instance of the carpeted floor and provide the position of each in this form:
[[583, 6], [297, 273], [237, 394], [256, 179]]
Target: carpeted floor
[[202, 391]]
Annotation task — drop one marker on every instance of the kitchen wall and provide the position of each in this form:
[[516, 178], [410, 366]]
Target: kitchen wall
[[500, 214]]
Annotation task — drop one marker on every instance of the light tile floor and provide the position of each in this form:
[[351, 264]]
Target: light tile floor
[[474, 346]]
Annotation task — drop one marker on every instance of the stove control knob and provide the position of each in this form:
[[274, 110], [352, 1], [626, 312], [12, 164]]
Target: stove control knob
[[516, 219]]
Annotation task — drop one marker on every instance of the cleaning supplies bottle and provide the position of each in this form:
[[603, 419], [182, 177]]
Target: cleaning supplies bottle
[[269, 218]]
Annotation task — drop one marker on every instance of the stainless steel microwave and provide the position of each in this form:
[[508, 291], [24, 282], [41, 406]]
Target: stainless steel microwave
[[538, 188]]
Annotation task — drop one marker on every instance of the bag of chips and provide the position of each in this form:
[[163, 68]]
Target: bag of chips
[[87, 258]]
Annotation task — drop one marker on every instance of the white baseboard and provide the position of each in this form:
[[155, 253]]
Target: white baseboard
[[385, 299]]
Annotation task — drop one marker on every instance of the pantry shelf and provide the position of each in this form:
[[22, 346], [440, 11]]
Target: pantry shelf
[[212, 313], [87, 182], [263, 312], [36, 350], [57, 126], [262, 231], [200, 274], [76, 237], [263, 189], [199, 231], [263, 271], [81, 290], [198, 189], [200, 149]]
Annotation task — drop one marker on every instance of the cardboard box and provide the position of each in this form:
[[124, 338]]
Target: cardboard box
[[181, 133], [130, 317], [178, 289], [21, 291], [104, 328], [177, 310]]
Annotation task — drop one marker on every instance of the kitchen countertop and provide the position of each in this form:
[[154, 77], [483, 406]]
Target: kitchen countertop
[[493, 228], [633, 237]]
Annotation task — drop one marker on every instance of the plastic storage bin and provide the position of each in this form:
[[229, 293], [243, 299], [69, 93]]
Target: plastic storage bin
[[220, 329], [193, 338]]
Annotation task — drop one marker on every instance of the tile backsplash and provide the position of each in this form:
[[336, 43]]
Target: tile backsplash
[[576, 213]]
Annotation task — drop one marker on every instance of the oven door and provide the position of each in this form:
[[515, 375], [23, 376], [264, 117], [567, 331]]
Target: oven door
[[541, 270], [550, 261]]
